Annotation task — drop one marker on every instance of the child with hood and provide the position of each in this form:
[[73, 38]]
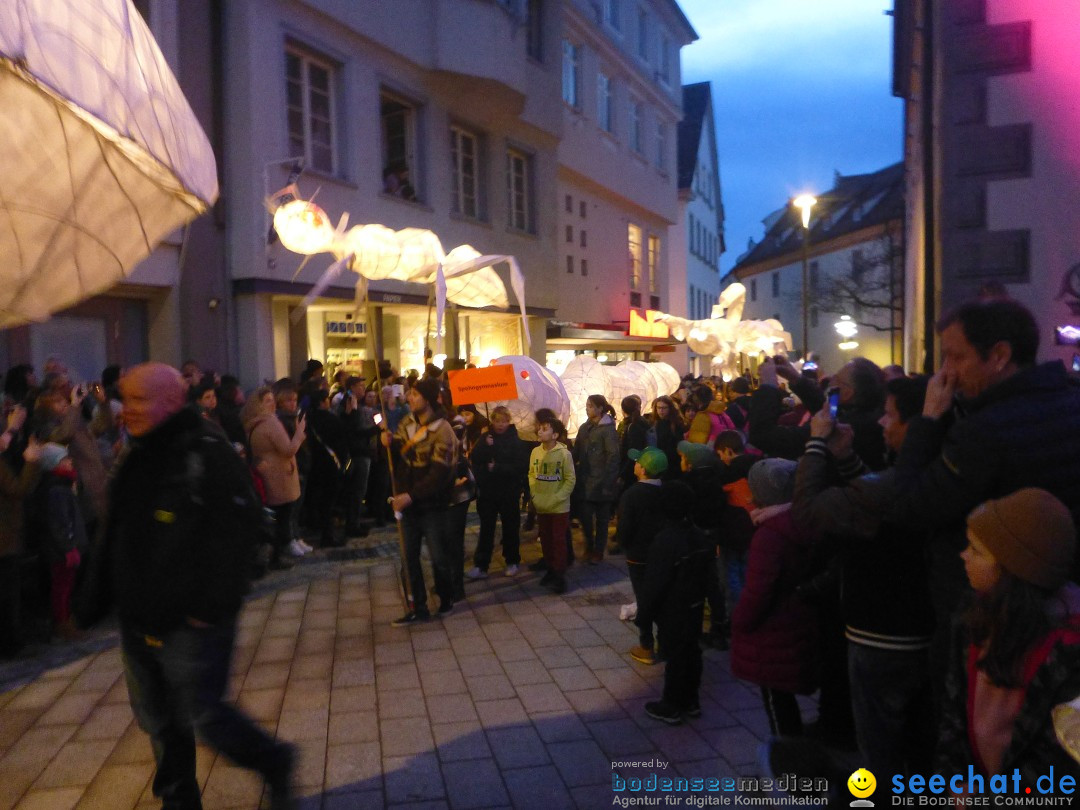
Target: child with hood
[[63, 532]]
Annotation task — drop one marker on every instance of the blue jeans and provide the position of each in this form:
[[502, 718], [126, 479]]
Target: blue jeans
[[176, 684], [433, 525], [892, 701]]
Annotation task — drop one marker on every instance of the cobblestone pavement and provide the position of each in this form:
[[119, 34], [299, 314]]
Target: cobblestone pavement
[[519, 698]]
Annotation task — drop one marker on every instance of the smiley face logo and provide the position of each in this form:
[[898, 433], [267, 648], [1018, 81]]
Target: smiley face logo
[[862, 783]]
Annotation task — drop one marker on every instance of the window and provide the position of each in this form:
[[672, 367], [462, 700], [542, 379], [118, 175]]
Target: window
[[603, 102], [534, 30], [693, 245], [813, 317], [633, 246], [693, 302], [814, 274], [569, 204], [654, 302], [753, 289], [571, 73], [465, 158], [569, 264], [583, 238], [519, 190], [611, 13], [584, 267], [583, 209], [309, 91], [661, 144], [654, 261], [398, 124], [775, 285], [635, 299], [570, 234], [636, 114], [664, 58], [643, 34]]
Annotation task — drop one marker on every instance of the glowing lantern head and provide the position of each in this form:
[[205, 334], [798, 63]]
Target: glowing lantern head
[[303, 227]]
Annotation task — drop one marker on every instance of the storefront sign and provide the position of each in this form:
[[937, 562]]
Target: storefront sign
[[345, 328], [472, 385], [647, 326]]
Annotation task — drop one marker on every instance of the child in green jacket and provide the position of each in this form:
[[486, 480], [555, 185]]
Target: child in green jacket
[[551, 481]]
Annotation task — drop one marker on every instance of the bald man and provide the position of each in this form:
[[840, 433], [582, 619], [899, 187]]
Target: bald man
[[182, 522]]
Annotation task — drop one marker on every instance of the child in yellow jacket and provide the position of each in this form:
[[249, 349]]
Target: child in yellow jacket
[[551, 481]]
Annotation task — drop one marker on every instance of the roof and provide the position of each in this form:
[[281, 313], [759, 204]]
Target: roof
[[695, 102], [856, 202]]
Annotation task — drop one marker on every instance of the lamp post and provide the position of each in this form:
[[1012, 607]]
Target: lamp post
[[805, 202]]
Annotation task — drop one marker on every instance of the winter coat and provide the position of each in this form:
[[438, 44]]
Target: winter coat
[[1033, 749], [667, 439], [551, 479], [326, 434], [596, 454], [273, 453], [58, 519], [635, 437], [14, 489], [774, 632], [639, 519], [510, 457], [182, 527], [425, 460], [678, 575], [74, 432]]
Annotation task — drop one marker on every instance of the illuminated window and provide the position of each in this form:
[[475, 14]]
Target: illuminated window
[[604, 102], [571, 73], [633, 246], [654, 261]]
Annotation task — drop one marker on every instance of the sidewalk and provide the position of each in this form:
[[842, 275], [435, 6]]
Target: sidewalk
[[520, 698]]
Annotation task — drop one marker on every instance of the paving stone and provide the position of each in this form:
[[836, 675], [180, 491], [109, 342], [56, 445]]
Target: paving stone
[[474, 784], [306, 724], [402, 703], [352, 698], [582, 637], [538, 787], [596, 704], [36, 748], [463, 740], [363, 800], [14, 724], [517, 747], [56, 799], [41, 694], [737, 745], [523, 673], [495, 713], [490, 687], [356, 673], [433, 639], [479, 665], [106, 722], [395, 652], [542, 697], [581, 763], [432, 662], [451, 709], [413, 778], [508, 651], [471, 645], [570, 679], [231, 786], [560, 656], [396, 676], [75, 764], [353, 766], [624, 683], [620, 738], [559, 726], [117, 786], [409, 735], [310, 770]]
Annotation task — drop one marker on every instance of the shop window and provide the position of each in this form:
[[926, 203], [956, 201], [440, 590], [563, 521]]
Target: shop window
[[571, 74], [633, 247], [309, 82], [519, 191], [465, 172], [398, 120], [570, 264]]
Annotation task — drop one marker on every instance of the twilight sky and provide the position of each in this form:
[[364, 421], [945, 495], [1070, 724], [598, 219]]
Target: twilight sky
[[801, 88]]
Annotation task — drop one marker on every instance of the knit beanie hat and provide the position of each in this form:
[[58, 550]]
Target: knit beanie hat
[[1031, 535], [699, 456], [772, 481], [52, 454], [651, 459], [428, 388]]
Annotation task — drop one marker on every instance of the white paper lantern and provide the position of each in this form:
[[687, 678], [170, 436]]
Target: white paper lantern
[[583, 377], [644, 383], [537, 388]]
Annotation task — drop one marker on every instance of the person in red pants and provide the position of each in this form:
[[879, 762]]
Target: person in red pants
[[551, 482]]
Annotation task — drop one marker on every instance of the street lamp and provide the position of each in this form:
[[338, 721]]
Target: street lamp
[[805, 202], [847, 329]]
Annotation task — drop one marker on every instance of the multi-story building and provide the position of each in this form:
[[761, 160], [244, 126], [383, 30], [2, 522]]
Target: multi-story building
[[854, 266], [480, 120], [698, 241], [990, 149], [618, 172]]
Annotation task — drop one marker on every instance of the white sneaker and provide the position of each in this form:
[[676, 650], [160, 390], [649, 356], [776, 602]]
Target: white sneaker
[[511, 571], [476, 573], [296, 549], [307, 549]]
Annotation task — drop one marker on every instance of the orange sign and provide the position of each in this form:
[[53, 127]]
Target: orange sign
[[472, 385], [647, 326]]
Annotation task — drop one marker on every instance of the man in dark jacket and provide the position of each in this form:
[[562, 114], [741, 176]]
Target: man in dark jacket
[[994, 422], [179, 535], [361, 429], [329, 463]]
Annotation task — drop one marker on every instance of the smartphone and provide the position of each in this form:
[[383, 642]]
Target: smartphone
[[834, 401], [1076, 363], [378, 419]]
